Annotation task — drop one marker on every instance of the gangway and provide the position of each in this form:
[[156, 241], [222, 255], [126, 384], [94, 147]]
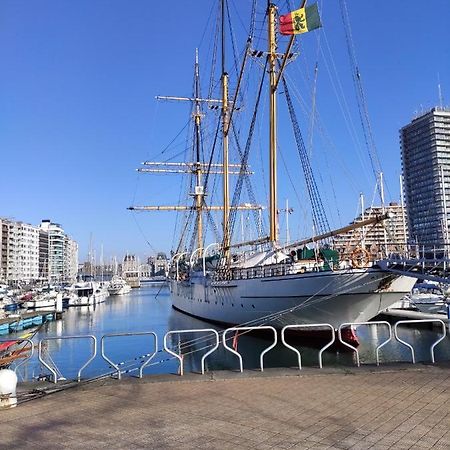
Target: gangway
[[431, 269]]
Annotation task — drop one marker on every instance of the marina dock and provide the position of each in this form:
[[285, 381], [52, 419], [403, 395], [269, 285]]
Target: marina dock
[[397, 406], [25, 320]]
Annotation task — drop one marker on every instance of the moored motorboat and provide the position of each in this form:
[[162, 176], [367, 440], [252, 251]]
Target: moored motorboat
[[87, 293], [118, 286]]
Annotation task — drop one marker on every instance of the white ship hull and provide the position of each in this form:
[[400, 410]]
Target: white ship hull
[[41, 303], [333, 297]]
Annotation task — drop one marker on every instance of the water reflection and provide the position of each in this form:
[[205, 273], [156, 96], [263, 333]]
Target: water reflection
[[146, 309]]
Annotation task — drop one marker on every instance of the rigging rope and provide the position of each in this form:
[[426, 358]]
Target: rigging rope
[[244, 157], [320, 220], [361, 99]]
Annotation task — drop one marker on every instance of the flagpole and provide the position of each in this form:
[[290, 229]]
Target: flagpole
[[287, 53]]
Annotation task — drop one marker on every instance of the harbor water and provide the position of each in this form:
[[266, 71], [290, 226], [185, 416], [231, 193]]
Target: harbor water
[[149, 309]]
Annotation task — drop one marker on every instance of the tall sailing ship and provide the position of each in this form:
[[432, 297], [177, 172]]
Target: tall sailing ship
[[261, 280]]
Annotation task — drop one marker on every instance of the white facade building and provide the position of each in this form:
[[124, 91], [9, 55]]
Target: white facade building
[[70, 259], [19, 254], [29, 253], [62, 261], [392, 233]]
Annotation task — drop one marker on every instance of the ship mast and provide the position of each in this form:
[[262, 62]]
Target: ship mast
[[199, 189], [197, 168], [272, 60], [225, 125]]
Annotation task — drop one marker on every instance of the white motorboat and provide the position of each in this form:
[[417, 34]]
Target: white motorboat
[[44, 298], [118, 286], [87, 293]]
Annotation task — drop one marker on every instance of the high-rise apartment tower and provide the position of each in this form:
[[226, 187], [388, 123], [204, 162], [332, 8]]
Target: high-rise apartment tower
[[425, 146]]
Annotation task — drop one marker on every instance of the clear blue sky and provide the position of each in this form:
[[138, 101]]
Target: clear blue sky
[[78, 115]]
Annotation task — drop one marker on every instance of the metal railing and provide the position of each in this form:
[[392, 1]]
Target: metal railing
[[56, 338], [261, 356], [149, 356], [357, 324], [214, 342], [181, 356], [406, 322], [305, 326]]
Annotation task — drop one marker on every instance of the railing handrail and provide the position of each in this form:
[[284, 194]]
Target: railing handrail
[[308, 325], [195, 330], [56, 338], [405, 322], [261, 356], [136, 333]]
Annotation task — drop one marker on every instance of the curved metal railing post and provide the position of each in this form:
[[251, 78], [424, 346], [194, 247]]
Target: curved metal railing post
[[261, 356], [94, 339], [26, 358], [178, 257], [41, 360], [204, 255], [191, 259], [180, 357], [56, 338], [137, 333], [406, 322], [378, 322], [444, 333], [309, 325]]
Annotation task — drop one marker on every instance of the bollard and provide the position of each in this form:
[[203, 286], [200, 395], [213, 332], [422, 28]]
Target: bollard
[[8, 384]]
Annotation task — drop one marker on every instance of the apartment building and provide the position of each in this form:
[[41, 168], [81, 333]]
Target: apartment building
[[425, 147], [392, 233], [19, 254], [29, 253]]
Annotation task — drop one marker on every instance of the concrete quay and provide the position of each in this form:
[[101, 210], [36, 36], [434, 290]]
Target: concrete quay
[[397, 406]]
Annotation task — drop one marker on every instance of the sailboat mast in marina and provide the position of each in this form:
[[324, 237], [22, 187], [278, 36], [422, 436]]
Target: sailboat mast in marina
[[261, 281]]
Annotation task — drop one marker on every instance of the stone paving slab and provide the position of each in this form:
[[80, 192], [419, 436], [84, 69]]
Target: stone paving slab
[[405, 407]]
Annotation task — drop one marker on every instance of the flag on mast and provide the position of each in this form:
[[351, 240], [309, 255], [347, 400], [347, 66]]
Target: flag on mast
[[301, 20]]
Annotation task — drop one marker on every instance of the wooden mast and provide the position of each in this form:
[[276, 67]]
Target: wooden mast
[[272, 60], [225, 124], [199, 189]]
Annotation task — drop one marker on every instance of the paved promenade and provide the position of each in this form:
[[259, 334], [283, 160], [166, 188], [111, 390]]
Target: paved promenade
[[397, 407]]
